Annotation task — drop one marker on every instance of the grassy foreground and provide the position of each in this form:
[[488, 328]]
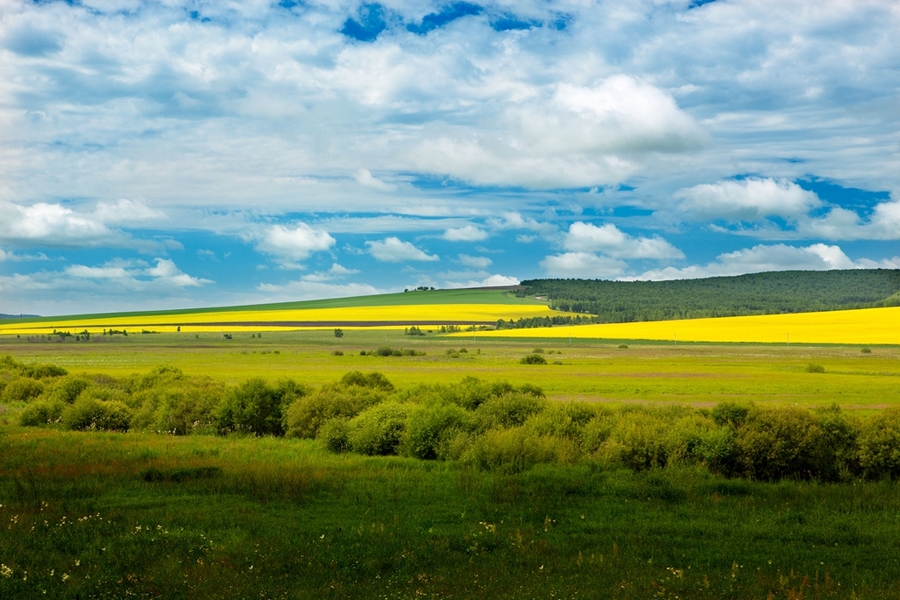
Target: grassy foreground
[[140, 515]]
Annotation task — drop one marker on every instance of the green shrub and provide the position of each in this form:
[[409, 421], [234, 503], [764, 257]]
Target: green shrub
[[335, 435], [373, 380], [637, 441], [187, 410], [717, 451], [42, 412], [384, 351], [687, 439], [537, 351], [163, 375], [866, 350], [379, 429], [429, 426], [509, 410], [256, 407], [22, 389], [510, 450], [42, 371], [840, 433], [562, 420], [596, 431], [814, 368], [533, 359], [89, 413], [730, 413], [307, 414], [779, 443], [879, 445], [68, 389]]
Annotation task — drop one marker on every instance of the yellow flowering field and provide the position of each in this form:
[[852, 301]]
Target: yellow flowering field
[[390, 317], [863, 326]]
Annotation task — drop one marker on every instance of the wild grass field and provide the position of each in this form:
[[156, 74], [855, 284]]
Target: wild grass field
[[93, 514], [588, 370]]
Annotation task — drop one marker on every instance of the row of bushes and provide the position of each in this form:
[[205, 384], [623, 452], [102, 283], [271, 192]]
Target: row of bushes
[[493, 425]]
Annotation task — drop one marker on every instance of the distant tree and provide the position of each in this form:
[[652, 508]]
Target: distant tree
[[338, 332]]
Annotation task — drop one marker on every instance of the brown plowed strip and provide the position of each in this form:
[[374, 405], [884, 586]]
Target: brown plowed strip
[[284, 324]]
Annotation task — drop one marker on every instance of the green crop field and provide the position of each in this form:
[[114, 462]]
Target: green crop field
[[509, 511], [589, 371]]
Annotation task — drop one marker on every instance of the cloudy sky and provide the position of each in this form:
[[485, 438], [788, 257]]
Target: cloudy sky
[[184, 153]]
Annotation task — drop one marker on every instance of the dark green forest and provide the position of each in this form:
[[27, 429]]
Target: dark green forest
[[753, 294]]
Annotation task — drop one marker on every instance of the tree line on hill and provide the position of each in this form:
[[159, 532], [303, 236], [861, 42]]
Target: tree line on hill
[[494, 426], [752, 294]]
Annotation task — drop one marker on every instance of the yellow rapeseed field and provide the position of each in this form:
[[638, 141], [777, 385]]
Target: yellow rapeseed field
[[863, 326], [269, 320]]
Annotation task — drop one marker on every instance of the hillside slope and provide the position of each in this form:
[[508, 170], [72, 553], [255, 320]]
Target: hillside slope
[[753, 294]]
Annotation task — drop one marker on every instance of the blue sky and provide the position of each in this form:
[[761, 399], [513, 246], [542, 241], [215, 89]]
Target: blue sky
[[189, 153]]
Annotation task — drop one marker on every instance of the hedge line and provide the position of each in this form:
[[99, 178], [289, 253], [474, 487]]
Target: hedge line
[[493, 425]]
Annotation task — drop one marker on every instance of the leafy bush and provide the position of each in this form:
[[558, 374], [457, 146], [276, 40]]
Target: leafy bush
[[22, 389], [879, 445], [637, 441], [533, 359], [866, 350], [563, 420], [841, 440], [428, 427], [186, 410], [335, 435], [256, 407], [307, 414], [68, 389], [378, 430], [43, 371], [814, 368], [730, 413], [778, 443], [42, 412], [688, 439], [373, 380], [511, 450], [509, 410], [90, 413]]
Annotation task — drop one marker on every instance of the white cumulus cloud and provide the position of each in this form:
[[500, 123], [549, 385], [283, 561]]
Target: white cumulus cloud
[[761, 258], [476, 262], [468, 233], [582, 264], [610, 240], [747, 199], [392, 249], [291, 244]]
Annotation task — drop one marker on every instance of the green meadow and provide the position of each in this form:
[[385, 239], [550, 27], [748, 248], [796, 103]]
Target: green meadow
[[598, 371], [96, 514]]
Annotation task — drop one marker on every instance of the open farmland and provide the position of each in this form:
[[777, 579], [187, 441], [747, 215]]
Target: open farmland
[[391, 311], [600, 484], [588, 370], [862, 326]]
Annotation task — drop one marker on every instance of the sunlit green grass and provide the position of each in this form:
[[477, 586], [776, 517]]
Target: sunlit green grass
[[277, 518], [597, 372]]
